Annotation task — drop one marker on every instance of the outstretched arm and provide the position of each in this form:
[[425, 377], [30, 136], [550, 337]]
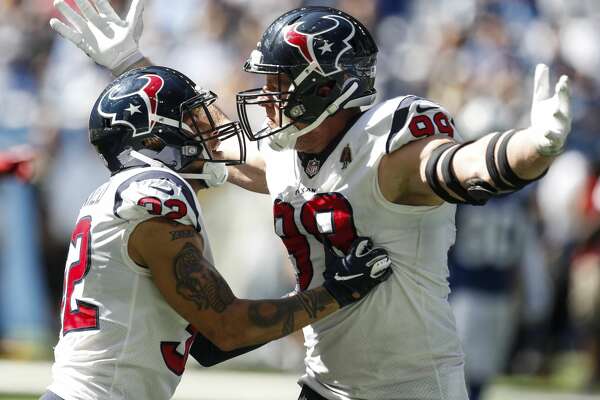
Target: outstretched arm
[[431, 170], [251, 175], [114, 43], [194, 288]]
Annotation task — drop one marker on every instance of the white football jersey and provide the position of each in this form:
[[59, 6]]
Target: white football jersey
[[119, 337], [400, 342]]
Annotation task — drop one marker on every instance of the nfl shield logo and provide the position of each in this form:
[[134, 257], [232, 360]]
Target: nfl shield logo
[[312, 168]]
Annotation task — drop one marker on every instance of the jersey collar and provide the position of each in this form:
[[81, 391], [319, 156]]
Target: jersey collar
[[312, 162]]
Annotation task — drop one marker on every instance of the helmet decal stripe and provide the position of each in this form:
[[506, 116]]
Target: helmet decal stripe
[[155, 84], [299, 40]]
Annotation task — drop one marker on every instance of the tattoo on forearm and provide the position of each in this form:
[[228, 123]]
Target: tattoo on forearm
[[182, 234], [311, 303], [199, 282], [269, 313]]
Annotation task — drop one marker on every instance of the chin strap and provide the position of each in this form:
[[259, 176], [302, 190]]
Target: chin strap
[[213, 174], [361, 101], [286, 138], [150, 161]]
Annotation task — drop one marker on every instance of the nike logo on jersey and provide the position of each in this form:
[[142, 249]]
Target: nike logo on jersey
[[170, 192], [421, 110]]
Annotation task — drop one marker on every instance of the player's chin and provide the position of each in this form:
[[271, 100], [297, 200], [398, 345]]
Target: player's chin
[[304, 144]]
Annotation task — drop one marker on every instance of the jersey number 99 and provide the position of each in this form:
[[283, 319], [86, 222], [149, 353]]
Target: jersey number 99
[[326, 215]]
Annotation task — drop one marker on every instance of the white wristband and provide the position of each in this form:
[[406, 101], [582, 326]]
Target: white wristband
[[127, 62]]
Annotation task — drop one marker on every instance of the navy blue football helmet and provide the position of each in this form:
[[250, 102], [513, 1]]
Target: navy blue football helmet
[[160, 113], [313, 47]]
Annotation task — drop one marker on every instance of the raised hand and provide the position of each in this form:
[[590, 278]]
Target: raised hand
[[550, 113], [350, 277], [106, 38]]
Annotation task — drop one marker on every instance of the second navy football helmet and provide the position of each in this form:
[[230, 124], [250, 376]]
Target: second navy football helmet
[[156, 115]]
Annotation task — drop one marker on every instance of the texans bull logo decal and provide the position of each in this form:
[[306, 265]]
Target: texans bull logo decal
[[136, 107], [322, 47]]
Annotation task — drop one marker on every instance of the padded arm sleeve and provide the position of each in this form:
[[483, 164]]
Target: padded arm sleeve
[[474, 191], [207, 354]]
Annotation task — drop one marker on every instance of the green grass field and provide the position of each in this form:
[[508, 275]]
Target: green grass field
[[567, 380]]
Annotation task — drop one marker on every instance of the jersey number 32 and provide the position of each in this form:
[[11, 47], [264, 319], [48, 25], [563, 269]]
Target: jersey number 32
[[78, 315]]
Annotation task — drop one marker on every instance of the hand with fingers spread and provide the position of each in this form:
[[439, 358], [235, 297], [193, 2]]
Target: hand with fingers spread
[[351, 277], [550, 113], [106, 38]]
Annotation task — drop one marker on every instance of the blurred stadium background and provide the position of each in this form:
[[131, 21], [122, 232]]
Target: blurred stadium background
[[476, 57]]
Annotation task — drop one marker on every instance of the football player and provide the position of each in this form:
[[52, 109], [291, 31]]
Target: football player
[[335, 171], [140, 284]]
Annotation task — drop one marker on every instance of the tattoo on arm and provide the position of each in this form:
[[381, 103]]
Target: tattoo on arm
[[313, 303], [182, 234], [266, 314], [199, 282]]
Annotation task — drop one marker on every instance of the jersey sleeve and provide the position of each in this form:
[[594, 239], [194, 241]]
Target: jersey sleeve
[[153, 193], [415, 118]]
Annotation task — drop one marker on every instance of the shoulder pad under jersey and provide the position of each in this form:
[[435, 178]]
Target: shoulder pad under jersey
[[416, 118], [156, 192]]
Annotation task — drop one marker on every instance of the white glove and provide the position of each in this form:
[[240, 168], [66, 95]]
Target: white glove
[[102, 34], [550, 114], [216, 174], [213, 174]]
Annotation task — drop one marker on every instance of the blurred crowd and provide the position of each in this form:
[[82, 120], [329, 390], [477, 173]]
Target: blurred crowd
[[475, 57]]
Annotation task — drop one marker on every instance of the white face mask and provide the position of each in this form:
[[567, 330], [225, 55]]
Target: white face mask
[[213, 174]]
